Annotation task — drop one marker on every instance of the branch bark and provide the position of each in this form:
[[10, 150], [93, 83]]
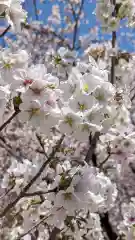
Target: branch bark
[[9, 119], [114, 38], [91, 156], [27, 187], [107, 227], [5, 31], [76, 24], [54, 233], [47, 32], [30, 230]]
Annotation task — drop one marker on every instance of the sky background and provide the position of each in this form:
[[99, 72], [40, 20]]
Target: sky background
[[125, 36]]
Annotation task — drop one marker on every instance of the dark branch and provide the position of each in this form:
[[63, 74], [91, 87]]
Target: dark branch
[[107, 227], [9, 120], [41, 144], [31, 229], [114, 37], [38, 193], [91, 152], [5, 31], [27, 187], [54, 233], [44, 31], [76, 24]]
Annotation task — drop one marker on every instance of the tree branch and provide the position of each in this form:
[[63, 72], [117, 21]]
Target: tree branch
[[47, 32], [41, 144], [27, 187], [5, 31], [76, 24], [113, 46], [107, 227], [54, 233], [9, 119], [35, 226], [91, 152], [6, 193], [105, 160], [38, 193]]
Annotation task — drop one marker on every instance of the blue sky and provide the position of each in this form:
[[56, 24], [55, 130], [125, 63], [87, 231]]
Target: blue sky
[[126, 36]]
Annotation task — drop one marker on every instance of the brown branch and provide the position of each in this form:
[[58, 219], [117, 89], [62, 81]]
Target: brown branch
[[55, 149], [91, 155], [10, 152], [44, 31], [27, 187], [41, 144], [6, 193], [105, 160], [5, 31], [54, 233], [132, 167], [113, 59], [114, 38], [132, 98], [91, 151], [38, 193], [73, 11], [9, 120], [76, 24], [35, 226], [105, 223]]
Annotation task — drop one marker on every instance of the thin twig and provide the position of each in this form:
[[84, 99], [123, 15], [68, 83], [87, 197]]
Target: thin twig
[[6, 193], [114, 37], [5, 31], [91, 151], [35, 226], [105, 160], [113, 59], [44, 31], [27, 187], [73, 11], [51, 156], [9, 120], [10, 151], [41, 144], [76, 24], [38, 193]]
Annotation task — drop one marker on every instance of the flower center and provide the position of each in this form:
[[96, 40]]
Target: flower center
[[27, 82], [67, 195], [69, 121], [82, 107]]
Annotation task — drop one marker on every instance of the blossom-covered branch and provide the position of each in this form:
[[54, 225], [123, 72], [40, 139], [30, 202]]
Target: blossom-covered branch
[[27, 187]]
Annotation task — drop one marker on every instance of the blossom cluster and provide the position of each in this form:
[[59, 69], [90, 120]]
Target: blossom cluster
[[84, 104], [66, 100], [14, 13], [110, 13]]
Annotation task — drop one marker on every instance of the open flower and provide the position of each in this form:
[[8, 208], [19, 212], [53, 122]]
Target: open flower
[[32, 111], [4, 4], [81, 102], [10, 63], [36, 91], [15, 14], [70, 121]]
